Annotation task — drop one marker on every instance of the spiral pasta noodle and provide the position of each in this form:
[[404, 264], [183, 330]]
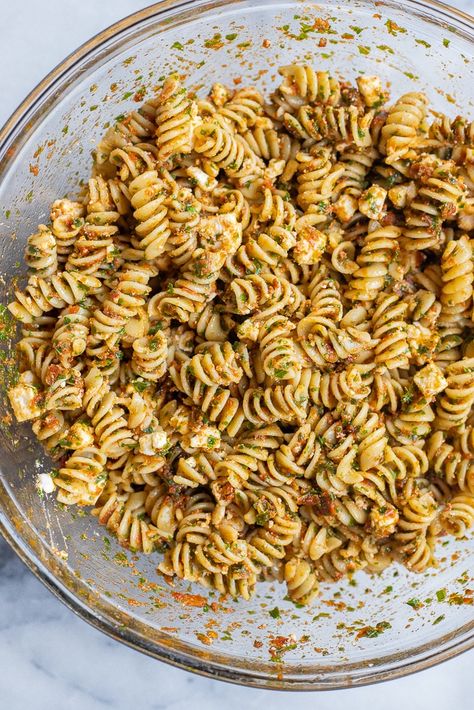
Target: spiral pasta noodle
[[248, 344]]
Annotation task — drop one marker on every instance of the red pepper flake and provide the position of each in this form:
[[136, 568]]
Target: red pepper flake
[[135, 602], [257, 644], [266, 43], [203, 638], [322, 42], [280, 645], [190, 599], [322, 502], [139, 95], [238, 80], [340, 606], [321, 25], [34, 169], [457, 599], [171, 629]]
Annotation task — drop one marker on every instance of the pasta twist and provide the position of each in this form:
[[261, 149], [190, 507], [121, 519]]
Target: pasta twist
[[215, 364], [278, 352], [148, 198], [124, 515], [130, 161], [267, 143], [264, 293], [149, 356], [389, 328], [195, 286], [286, 403], [67, 220], [302, 85], [70, 335], [41, 252], [449, 464], [380, 250], [176, 117], [301, 580], [456, 130], [235, 468], [123, 302], [411, 542], [401, 128], [458, 274], [456, 401], [350, 186], [184, 217], [82, 479], [215, 402], [317, 177], [41, 295], [134, 127], [262, 253], [107, 417], [243, 109], [321, 342], [227, 151], [345, 123], [458, 516]]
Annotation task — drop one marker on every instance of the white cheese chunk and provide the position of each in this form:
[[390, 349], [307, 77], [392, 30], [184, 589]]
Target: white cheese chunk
[[45, 483], [80, 435], [208, 437], [372, 200], [24, 401], [430, 380], [150, 444], [248, 330], [370, 88], [310, 246], [345, 207]]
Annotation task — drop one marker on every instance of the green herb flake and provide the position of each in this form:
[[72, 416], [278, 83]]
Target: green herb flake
[[275, 613], [423, 43], [322, 615], [177, 45], [441, 595], [385, 48], [438, 619], [231, 36], [140, 385], [446, 42], [363, 49], [415, 603]]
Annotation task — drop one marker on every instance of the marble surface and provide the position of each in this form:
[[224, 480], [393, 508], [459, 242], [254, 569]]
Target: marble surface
[[49, 658]]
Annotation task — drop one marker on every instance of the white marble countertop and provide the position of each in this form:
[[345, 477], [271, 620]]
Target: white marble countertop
[[49, 658]]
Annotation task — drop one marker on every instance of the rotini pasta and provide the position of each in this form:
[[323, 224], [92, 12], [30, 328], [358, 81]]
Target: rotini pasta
[[249, 344]]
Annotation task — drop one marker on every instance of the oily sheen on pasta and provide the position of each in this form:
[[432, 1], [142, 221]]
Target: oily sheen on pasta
[[248, 342]]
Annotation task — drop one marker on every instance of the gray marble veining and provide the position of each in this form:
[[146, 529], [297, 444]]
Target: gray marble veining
[[50, 659]]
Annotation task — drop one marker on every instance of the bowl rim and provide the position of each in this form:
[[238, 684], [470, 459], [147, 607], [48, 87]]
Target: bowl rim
[[32, 559]]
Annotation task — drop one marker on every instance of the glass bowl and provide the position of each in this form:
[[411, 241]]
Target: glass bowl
[[44, 150]]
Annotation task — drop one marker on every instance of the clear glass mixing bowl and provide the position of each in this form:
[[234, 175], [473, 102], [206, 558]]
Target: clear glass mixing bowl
[[44, 150]]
